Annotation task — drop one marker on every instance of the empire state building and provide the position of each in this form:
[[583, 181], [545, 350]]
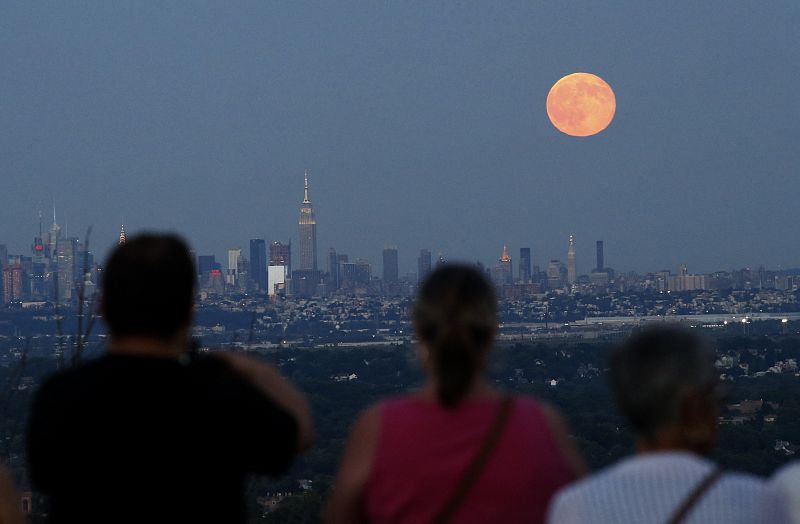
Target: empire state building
[[307, 227]]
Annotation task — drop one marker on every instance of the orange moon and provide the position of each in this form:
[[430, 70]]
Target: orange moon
[[581, 104]]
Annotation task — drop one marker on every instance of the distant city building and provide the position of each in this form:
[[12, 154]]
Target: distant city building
[[205, 263], [600, 262], [307, 227], [363, 271], [423, 264], [13, 283], [277, 280], [232, 273], [121, 235], [502, 272], [53, 236], [391, 270], [599, 278], [258, 263], [333, 270], [556, 274], [683, 281], [572, 275], [243, 273], [40, 275], [280, 254], [524, 265], [305, 282], [356, 275], [216, 280], [65, 268]]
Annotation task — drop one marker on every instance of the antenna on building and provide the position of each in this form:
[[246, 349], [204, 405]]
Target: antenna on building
[[306, 200]]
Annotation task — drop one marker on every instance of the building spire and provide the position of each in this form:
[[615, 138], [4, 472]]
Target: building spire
[[572, 275], [505, 257], [122, 235], [306, 200]]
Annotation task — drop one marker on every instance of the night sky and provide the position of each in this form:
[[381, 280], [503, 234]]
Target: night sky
[[422, 124]]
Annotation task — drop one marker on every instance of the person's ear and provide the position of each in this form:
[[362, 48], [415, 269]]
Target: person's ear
[[423, 354]]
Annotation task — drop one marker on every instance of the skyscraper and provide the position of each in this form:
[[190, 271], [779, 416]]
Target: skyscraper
[[232, 275], [37, 250], [423, 264], [121, 235], [258, 263], [524, 265], [333, 269], [53, 236], [600, 262], [555, 274], [65, 268], [390, 266], [307, 226], [571, 274], [13, 278], [205, 265], [504, 267], [280, 254]]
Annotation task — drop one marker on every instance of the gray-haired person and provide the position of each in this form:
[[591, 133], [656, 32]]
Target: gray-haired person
[[667, 387]]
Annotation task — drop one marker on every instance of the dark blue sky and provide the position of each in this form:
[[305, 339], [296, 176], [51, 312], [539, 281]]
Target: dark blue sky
[[422, 125]]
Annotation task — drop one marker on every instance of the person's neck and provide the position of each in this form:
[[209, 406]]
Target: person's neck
[[144, 346], [479, 389]]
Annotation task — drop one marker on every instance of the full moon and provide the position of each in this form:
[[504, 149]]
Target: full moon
[[581, 104]]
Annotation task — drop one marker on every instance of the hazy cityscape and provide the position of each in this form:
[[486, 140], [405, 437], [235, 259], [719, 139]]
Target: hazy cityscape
[[60, 268]]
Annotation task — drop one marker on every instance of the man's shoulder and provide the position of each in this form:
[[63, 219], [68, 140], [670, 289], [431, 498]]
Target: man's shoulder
[[594, 483], [636, 473], [744, 480], [741, 486]]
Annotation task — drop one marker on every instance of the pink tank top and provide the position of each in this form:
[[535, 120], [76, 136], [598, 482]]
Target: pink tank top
[[423, 450]]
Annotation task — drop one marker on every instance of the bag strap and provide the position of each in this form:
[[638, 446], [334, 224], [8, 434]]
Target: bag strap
[[478, 463], [694, 497]]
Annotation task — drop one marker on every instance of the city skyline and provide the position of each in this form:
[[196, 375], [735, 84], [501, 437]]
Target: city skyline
[[423, 125], [268, 248]]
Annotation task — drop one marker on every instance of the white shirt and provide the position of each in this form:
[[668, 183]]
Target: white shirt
[[649, 488], [787, 482]]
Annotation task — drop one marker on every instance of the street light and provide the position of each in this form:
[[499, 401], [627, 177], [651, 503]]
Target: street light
[[783, 324], [744, 325]]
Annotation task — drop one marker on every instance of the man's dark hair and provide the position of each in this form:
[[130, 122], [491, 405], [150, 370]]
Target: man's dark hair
[[148, 287], [654, 369]]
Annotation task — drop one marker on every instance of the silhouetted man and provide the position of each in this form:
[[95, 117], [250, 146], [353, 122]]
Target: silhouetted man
[[150, 432]]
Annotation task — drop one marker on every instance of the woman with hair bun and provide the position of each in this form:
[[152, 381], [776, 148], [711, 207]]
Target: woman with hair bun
[[457, 450]]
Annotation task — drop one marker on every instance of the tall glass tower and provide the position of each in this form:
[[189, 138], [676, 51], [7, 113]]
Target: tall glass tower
[[307, 226]]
